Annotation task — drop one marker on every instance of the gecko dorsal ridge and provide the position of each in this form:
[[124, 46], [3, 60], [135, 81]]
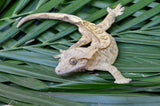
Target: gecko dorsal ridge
[[102, 37]]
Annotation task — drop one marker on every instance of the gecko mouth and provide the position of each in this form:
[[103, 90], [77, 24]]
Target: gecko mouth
[[70, 71]]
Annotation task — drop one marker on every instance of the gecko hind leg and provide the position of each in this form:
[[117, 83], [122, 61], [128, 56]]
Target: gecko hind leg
[[110, 18]]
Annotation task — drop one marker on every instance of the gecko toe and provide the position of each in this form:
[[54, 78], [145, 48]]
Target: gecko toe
[[123, 81]]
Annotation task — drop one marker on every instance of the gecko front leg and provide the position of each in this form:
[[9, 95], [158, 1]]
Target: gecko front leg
[[110, 18], [85, 39], [119, 78]]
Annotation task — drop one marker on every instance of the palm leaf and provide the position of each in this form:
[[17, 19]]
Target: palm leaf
[[27, 66]]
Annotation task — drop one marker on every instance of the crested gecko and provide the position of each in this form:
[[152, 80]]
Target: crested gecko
[[100, 55]]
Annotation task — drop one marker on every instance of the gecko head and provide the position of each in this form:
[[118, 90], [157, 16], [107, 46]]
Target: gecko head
[[72, 60]]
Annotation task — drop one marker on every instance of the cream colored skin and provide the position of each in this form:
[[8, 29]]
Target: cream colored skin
[[100, 55]]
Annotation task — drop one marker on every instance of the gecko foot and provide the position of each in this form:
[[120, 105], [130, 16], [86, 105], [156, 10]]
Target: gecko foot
[[123, 81], [118, 10]]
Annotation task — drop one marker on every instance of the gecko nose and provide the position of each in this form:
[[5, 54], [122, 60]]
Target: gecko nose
[[57, 70]]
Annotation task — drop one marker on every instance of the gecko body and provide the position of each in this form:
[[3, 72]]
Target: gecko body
[[100, 55]]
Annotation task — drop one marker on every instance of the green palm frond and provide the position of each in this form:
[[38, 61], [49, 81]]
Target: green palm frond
[[27, 63]]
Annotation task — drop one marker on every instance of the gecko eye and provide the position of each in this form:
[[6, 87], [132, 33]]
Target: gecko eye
[[73, 61]]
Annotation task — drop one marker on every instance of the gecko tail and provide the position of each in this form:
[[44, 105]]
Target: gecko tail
[[58, 16]]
